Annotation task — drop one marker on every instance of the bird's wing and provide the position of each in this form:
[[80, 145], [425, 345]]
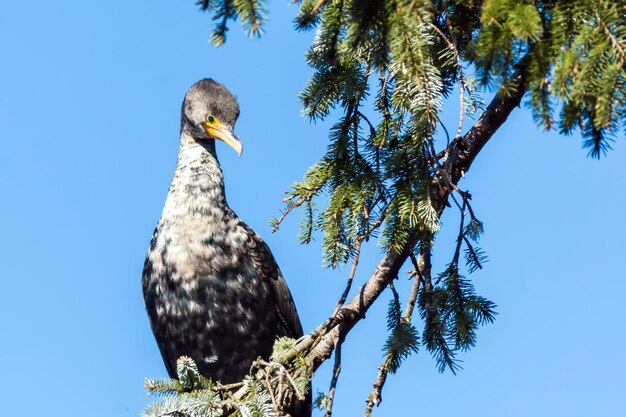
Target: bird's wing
[[265, 264]]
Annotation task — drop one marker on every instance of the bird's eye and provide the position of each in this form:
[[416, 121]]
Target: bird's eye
[[210, 119]]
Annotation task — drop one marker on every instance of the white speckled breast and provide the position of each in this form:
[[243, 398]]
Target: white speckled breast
[[203, 292]]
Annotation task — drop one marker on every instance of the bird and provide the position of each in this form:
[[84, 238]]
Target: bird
[[212, 288]]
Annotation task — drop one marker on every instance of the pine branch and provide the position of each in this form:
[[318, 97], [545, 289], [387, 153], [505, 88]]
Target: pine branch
[[462, 153], [459, 69]]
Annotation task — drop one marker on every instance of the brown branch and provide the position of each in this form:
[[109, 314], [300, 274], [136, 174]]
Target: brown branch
[[410, 305], [276, 224], [333, 381], [459, 239], [268, 366], [463, 150], [355, 310], [424, 265], [227, 387], [375, 398], [317, 6]]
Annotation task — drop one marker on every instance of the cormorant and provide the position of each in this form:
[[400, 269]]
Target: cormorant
[[212, 288]]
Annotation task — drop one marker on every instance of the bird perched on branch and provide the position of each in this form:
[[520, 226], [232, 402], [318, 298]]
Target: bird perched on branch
[[212, 288]]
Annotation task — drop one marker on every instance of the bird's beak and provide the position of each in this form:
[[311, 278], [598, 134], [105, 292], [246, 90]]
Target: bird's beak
[[224, 133]]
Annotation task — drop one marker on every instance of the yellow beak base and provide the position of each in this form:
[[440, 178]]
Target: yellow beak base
[[225, 134]]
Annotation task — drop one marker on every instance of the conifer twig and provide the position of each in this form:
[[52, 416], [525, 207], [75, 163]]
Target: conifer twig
[[276, 224], [384, 104], [355, 263], [614, 42], [316, 7], [475, 257], [292, 206], [228, 387], [270, 390], [375, 396], [410, 305], [459, 67], [333, 381], [459, 239]]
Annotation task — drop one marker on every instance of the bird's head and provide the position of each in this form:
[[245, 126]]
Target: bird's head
[[210, 112]]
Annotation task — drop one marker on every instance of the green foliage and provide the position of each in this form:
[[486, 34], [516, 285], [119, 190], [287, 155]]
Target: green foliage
[[192, 395], [384, 69], [163, 386], [452, 312], [251, 14], [590, 53], [375, 175], [474, 258], [403, 339], [474, 229], [284, 348], [577, 53], [508, 28]]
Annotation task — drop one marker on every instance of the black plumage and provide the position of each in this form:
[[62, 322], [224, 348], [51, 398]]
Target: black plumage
[[212, 288]]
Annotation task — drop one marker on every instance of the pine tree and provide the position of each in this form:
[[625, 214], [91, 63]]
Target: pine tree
[[392, 175]]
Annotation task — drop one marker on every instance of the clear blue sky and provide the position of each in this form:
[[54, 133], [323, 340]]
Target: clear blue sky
[[90, 96]]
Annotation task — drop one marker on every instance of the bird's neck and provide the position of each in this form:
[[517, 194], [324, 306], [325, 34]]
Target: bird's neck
[[198, 185]]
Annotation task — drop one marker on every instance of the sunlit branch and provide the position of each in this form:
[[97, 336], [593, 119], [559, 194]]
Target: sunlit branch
[[333, 381]]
